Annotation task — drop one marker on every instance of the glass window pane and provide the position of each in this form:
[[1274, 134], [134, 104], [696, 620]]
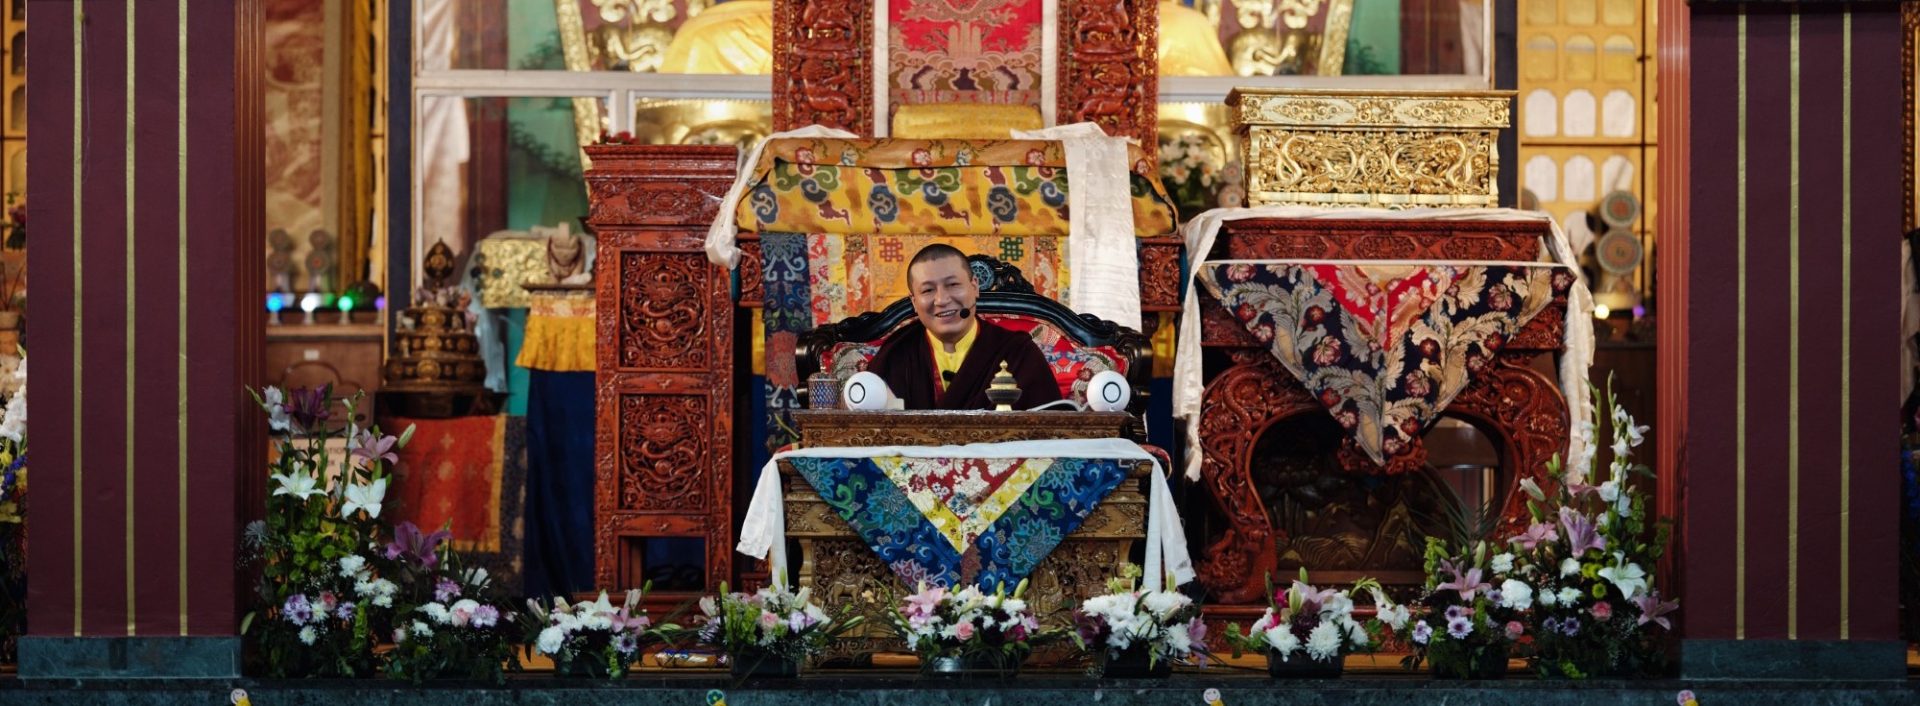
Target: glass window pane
[[492, 164]]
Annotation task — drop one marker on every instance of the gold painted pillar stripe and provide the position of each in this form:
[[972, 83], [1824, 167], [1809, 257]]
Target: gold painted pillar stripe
[[1740, 345], [79, 152], [181, 236], [1793, 326], [1846, 316], [132, 31]]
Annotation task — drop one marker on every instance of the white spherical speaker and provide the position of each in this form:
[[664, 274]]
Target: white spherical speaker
[[1108, 392], [865, 390]]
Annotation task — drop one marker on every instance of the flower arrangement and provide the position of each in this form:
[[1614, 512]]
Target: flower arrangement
[[772, 627], [446, 624], [323, 601], [13, 509], [1315, 627], [967, 629], [1589, 554], [1159, 626], [1473, 611], [1190, 171], [595, 638]]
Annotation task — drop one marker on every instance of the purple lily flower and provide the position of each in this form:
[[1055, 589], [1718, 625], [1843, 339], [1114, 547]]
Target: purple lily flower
[[409, 542], [309, 407], [372, 449], [1582, 533], [1466, 581], [1654, 610], [1536, 533]]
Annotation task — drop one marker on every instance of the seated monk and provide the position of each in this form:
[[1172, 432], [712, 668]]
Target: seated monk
[[947, 357]]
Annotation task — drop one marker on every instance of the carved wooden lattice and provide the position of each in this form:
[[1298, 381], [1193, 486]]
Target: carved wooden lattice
[[664, 427]]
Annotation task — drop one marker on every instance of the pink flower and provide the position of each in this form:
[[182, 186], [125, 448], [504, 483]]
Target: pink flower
[[1582, 533], [1654, 610], [769, 621], [1602, 611], [963, 631], [925, 602], [1536, 533], [1515, 629]]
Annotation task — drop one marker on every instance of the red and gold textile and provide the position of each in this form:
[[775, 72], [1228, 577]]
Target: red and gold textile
[[450, 472]]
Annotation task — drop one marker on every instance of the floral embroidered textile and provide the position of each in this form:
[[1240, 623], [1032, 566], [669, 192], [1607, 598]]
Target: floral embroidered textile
[[1384, 347], [955, 521]]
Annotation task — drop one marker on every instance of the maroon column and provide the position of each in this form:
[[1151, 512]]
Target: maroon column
[[1792, 290], [146, 324]]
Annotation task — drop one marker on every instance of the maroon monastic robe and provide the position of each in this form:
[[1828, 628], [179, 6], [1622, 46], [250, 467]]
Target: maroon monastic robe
[[905, 360]]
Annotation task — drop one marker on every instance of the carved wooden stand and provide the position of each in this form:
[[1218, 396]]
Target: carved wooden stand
[[1521, 409], [664, 418]]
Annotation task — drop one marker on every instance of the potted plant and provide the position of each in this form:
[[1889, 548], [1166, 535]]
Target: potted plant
[[1589, 555], [1307, 632], [1138, 633], [594, 638], [968, 631], [770, 633]]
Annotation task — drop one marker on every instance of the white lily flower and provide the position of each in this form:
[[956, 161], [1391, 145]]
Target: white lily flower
[[365, 497], [1629, 577], [297, 484]]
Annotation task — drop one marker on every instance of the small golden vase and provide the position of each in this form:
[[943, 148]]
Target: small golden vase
[[1004, 390]]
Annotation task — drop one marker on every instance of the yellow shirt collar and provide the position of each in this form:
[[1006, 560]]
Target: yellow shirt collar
[[950, 362]]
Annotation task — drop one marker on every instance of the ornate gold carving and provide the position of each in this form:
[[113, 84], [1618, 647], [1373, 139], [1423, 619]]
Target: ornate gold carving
[[1345, 108], [1373, 168], [1371, 148]]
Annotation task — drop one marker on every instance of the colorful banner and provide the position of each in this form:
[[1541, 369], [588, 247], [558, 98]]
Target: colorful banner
[[953, 521]]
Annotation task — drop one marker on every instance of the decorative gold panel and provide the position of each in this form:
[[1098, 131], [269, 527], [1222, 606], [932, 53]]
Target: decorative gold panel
[[1371, 148]]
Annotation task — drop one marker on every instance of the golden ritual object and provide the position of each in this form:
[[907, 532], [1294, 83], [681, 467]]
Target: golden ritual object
[[1004, 391], [1371, 148]]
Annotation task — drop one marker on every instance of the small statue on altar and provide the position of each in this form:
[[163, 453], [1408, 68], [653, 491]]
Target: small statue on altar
[[280, 259], [947, 358], [566, 255], [321, 261]]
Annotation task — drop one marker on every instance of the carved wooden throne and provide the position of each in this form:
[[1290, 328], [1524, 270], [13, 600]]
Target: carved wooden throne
[[1006, 298]]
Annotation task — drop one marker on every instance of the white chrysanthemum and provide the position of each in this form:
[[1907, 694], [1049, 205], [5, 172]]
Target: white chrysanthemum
[[1569, 566], [1569, 596], [1502, 563], [363, 588], [1179, 641], [1163, 603], [383, 601], [1516, 595], [1013, 605], [1323, 643], [308, 635], [422, 629], [551, 639], [1110, 606], [351, 566], [1281, 639], [1549, 598], [437, 612]]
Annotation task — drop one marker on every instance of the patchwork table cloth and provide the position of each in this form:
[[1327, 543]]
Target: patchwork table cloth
[[1384, 345], [979, 514]]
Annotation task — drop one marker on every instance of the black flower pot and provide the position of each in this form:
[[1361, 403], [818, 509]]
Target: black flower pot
[[1135, 663], [752, 666], [1300, 666], [1491, 664]]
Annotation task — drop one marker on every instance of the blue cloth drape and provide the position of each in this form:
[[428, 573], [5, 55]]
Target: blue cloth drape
[[559, 509]]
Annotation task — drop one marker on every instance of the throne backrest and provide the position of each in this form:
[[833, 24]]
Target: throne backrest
[[1076, 346]]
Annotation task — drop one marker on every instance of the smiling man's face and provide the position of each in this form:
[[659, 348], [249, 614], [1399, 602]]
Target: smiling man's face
[[941, 288]]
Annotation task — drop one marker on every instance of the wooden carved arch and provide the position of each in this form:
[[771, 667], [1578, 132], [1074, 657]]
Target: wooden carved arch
[[1518, 408]]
